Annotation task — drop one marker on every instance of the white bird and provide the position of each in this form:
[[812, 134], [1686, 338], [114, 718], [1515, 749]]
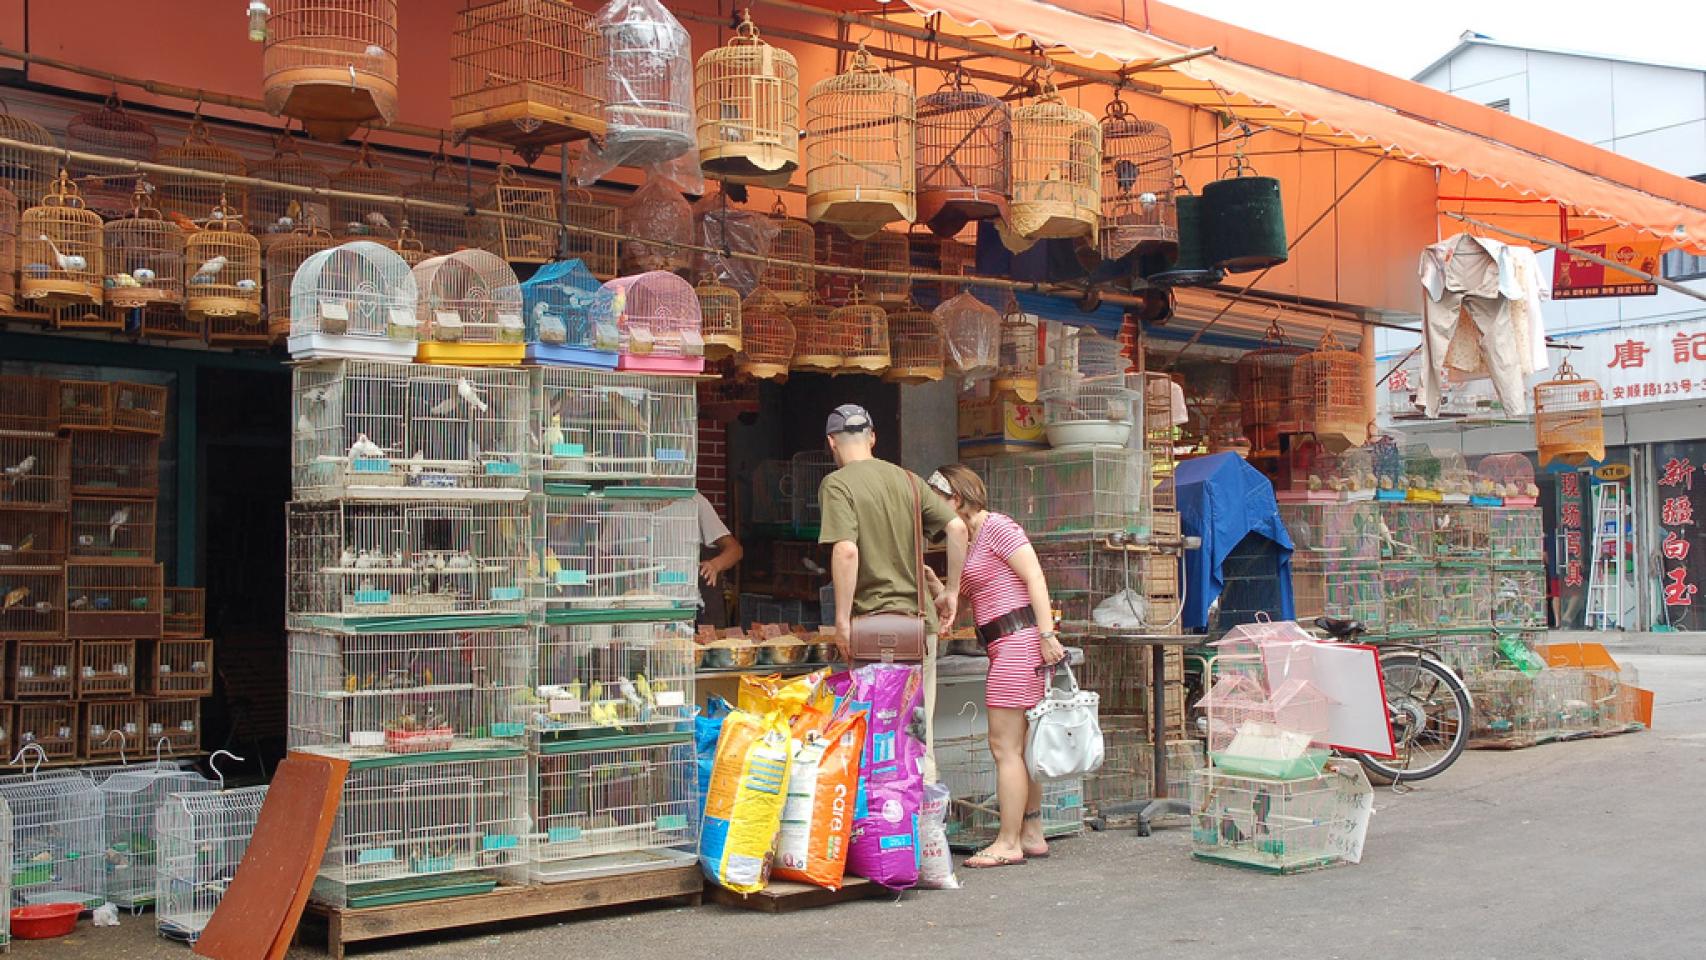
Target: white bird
[[364, 561], [365, 449], [209, 269], [247, 285], [379, 220], [1147, 199], [70, 263], [460, 561], [397, 559], [304, 427], [554, 432], [467, 392], [315, 396], [417, 462], [630, 693], [443, 408], [120, 517], [347, 560], [375, 51], [21, 469]]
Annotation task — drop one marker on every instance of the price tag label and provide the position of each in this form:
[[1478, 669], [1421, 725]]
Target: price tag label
[[500, 841], [571, 578], [562, 708], [506, 593], [669, 455], [671, 698], [508, 729]]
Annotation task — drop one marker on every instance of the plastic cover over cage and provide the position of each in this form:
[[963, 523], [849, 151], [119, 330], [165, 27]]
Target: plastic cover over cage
[[971, 336], [648, 96]]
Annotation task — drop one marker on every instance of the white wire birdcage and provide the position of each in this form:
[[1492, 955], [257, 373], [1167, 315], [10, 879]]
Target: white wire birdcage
[[1519, 597], [526, 74], [396, 694], [859, 149], [657, 317], [1507, 710], [1462, 533], [611, 805], [413, 827], [469, 309], [203, 837], [557, 302], [1407, 599], [351, 565], [1279, 826], [1074, 493], [398, 431], [748, 108], [58, 836], [1333, 532], [143, 257], [132, 799], [648, 75], [612, 677], [967, 769], [354, 300], [1507, 479], [1517, 535], [1092, 412], [332, 66], [37, 469], [631, 551], [1084, 574], [599, 426]]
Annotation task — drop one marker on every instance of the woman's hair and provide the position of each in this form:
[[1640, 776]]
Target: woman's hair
[[967, 485]]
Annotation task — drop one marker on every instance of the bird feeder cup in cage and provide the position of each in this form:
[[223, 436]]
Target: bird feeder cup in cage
[[276, 213], [8, 250], [333, 66], [1567, 423], [866, 333], [915, 347], [860, 172], [1138, 213], [1334, 394], [965, 144], [1245, 218], [719, 308], [817, 348], [767, 336], [283, 256], [222, 280], [1057, 170], [143, 257], [657, 318], [527, 74], [749, 109], [525, 229], [359, 219], [890, 251], [557, 302], [112, 133], [1017, 370], [648, 74], [29, 175], [469, 310], [789, 275], [357, 301], [1271, 400], [191, 198], [60, 255]]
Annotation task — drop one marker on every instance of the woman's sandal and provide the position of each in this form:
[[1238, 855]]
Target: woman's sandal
[[984, 860], [1040, 853]]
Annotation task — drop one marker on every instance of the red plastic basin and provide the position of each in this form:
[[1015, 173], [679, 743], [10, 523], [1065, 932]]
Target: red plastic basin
[[44, 921]]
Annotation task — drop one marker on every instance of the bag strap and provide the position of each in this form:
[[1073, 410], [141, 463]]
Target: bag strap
[[918, 538]]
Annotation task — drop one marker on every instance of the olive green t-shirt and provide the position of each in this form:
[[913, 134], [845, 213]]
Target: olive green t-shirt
[[870, 503]]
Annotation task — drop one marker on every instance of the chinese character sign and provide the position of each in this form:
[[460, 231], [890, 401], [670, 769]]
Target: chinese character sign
[[1652, 363], [1681, 566], [1569, 564]]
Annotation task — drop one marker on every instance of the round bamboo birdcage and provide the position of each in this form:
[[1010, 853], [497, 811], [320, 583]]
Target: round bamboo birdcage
[[648, 99], [8, 250], [222, 271], [1057, 169], [1333, 388], [283, 256], [816, 349], [143, 257], [720, 318], [1271, 400], [439, 231], [971, 336], [767, 337], [1568, 426], [274, 212], [360, 219], [749, 108], [195, 197], [1017, 370], [860, 172], [30, 176], [331, 64], [408, 245], [795, 242], [915, 346], [112, 132], [1138, 215], [864, 327], [526, 73], [965, 146], [59, 249], [600, 254], [888, 250], [527, 240]]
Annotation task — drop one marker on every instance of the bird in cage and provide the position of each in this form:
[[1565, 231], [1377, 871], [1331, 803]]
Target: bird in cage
[[365, 449], [18, 471], [466, 391], [68, 263], [209, 270]]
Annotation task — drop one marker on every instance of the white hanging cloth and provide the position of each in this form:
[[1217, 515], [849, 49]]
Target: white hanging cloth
[[1498, 288]]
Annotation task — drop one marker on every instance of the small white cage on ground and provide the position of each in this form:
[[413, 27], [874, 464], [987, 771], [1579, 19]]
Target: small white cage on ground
[[1280, 826], [613, 677], [355, 300], [202, 838], [57, 838], [132, 799], [968, 771], [600, 427]]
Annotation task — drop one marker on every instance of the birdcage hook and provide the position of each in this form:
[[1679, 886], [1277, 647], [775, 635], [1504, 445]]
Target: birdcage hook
[[109, 739], [213, 764], [41, 757], [162, 747], [1240, 165]]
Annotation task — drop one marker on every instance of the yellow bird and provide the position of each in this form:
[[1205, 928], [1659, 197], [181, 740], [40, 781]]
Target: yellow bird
[[574, 690], [645, 688], [597, 692], [552, 565], [426, 676], [26, 543], [351, 683], [532, 566], [16, 596]]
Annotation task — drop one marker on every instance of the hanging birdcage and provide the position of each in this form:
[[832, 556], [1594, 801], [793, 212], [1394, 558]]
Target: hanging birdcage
[[817, 344], [28, 175], [767, 336], [274, 212], [526, 75], [356, 300], [143, 257], [719, 310], [1057, 170], [1017, 369], [971, 335], [598, 251], [915, 346], [887, 250], [1243, 216], [965, 143], [656, 225], [1191, 266], [113, 133], [648, 98], [749, 109], [788, 276], [60, 253], [469, 310], [439, 231], [557, 302], [283, 256], [657, 318], [331, 65], [1333, 395], [193, 197], [222, 280], [1138, 215], [1567, 422], [529, 240], [358, 219], [864, 329], [1271, 399], [8, 250], [860, 172]]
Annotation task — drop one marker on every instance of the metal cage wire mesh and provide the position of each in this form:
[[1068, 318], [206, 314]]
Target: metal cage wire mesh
[[617, 553], [600, 426], [469, 296], [557, 304], [612, 676], [202, 838], [964, 156], [606, 807], [58, 836], [132, 800]]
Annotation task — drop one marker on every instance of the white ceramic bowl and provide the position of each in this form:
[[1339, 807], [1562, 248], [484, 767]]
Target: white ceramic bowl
[[1089, 433]]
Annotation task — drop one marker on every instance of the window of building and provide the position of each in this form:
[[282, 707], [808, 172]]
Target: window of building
[[1682, 265], [1504, 105]]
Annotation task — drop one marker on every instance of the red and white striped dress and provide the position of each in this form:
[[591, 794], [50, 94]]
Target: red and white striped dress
[[995, 590]]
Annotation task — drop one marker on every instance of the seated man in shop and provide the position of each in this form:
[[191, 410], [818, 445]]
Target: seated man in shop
[[719, 551]]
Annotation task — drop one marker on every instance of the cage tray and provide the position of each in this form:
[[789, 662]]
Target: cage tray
[[471, 354], [560, 355], [329, 346]]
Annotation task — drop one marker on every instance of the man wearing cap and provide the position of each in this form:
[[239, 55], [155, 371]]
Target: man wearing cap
[[868, 517]]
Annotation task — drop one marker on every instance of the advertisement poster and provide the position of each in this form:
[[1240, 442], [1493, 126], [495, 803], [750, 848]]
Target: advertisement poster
[[1575, 278]]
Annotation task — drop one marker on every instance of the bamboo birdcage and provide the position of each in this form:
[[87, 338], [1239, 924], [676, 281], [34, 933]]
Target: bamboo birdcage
[[888, 250], [1057, 170], [356, 219], [1138, 215], [8, 250], [60, 253], [355, 300], [283, 256], [657, 317], [789, 276], [438, 231], [1017, 370], [834, 247], [143, 257], [469, 309], [275, 212], [1270, 397], [599, 253], [971, 336], [116, 134], [749, 108], [965, 144], [222, 280], [521, 241], [864, 328], [407, 245], [331, 65], [915, 346], [30, 176], [767, 336], [194, 197], [648, 100], [1567, 422], [1333, 389], [526, 75], [859, 151], [719, 311], [816, 347]]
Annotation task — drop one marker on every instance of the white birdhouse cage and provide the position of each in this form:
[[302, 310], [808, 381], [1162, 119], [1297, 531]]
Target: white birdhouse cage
[[525, 229], [719, 312], [355, 300], [222, 280], [1017, 370], [1138, 213], [657, 317], [60, 262], [203, 836], [1271, 399], [860, 173], [965, 146], [527, 74], [275, 212], [557, 302], [58, 831], [600, 426], [469, 310], [1567, 422], [767, 336], [192, 197], [610, 805], [1333, 386], [357, 219], [600, 555], [283, 256], [890, 251], [915, 346], [817, 348], [864, 328], [749, 109], [971, 336], [1057, 169], [143, 257], [331, 65], [612, 676], [599, 250], [8, 250], [132, 799], [29, 175], [111, 132], [648, 99], [439, 231], [788, 275]]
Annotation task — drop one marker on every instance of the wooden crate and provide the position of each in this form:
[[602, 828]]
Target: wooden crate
[[111, 728], [52, 726], [42, 669], [178, 721], [185, 613], [106, 669], [179, 668], [85, 405]]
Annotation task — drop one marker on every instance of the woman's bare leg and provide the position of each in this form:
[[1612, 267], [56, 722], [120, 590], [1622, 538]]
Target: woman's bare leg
[[1012, 782]]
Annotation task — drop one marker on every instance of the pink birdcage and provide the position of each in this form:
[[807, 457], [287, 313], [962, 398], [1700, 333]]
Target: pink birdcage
[[657, 316]]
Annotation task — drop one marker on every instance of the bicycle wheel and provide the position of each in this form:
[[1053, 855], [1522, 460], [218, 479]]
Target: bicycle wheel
[[1430, 712]]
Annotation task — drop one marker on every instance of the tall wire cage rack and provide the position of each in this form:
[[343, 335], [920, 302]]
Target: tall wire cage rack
[[612, 677], [601, 427]]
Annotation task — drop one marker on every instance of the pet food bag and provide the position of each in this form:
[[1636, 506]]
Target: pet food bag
[[743, 806], [707, 728], [823, 789], [761, 695], [936, 861], [884, 847]]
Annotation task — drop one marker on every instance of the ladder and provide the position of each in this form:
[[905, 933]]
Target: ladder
[[1606, 572]]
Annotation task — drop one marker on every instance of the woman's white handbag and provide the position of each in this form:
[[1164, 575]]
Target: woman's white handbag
[[1066, 738]]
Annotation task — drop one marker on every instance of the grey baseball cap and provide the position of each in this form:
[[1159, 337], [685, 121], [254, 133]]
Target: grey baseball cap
[[847, 418]]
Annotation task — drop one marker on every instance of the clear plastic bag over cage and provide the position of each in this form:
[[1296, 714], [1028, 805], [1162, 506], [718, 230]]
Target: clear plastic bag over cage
[[789, 274], [721, 227], [557, 302], [469, 297], [1092, 412], [202, 839], [411, 827], [143, 256], [1072, 493], [598, 426], [648, 95], [58, 839], [859, 148], [748, 109], [915, 346], [656, 315], [625, 552], [965, 145], [354, 300], [333, 66], [967, 769], [612, 806], [1333, 532], [397, 694], [526, 73], [971, 336], [657, 221], [1517, 535], [352, 564], [37, 471], [274, 211], [1506, 478], [60, 252], [194, 197], [612, 677], [1057, 170], [27, 174], [1280, 826], [1333, 386], [1138, 213], [132, 801], [767, 337]]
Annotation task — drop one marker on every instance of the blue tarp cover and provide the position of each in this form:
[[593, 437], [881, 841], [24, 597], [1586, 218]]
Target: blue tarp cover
[[1222, 499]]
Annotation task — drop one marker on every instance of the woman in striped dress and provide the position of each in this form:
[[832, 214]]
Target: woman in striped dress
[[1010, 605]]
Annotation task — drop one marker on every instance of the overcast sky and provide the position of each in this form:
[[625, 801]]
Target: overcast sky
[[1403, 37]]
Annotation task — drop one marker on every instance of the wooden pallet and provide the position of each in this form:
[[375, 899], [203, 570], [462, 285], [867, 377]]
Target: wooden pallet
[[345, 927], [783, 896]]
